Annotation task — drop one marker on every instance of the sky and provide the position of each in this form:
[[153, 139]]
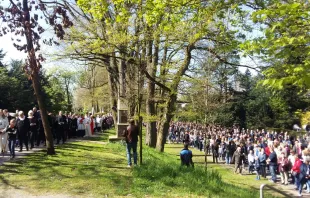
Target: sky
[[6, 44]]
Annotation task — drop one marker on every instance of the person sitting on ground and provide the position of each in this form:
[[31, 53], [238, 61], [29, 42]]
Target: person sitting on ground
[[186, 156]]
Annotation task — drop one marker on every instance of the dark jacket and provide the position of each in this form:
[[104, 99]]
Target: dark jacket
[[11, 132], [61, 122], [273, 159], [303, 173], [23, 127], [34, 124], [131, 134]]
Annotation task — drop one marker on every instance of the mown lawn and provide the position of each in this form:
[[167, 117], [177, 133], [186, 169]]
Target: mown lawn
[[91, 169]]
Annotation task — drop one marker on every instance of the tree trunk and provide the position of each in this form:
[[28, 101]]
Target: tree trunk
[[169, 109], [35, 68], [151, 133], [43, 112], [69, 106], [164, 122], [113, 79], [113, 98]]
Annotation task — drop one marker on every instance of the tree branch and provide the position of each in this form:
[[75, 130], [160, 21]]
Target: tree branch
[[223, 60]]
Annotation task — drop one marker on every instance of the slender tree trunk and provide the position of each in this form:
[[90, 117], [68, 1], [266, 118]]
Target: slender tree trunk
[[68, 96], [113, 78], [35, 68], [47, 130]]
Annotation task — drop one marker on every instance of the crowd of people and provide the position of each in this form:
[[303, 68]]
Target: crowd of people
[[261, 151], [20, 130]]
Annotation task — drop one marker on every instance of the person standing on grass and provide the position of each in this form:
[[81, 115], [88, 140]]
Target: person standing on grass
[[237, 159], [131, 137], [273, 162], [251, 160], [11, 130], [262, 162]]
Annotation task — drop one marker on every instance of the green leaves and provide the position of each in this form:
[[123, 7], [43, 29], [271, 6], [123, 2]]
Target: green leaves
[[286, 43]]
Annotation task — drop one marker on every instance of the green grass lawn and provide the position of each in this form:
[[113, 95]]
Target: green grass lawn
[[90, 169], [226, 172]]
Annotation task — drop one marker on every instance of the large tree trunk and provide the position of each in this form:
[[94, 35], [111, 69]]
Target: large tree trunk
[[34, 74], [163, 125], [151, 132], [169, 109]]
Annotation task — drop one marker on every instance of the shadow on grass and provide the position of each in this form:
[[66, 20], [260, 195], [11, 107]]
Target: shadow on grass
[[78, 162]]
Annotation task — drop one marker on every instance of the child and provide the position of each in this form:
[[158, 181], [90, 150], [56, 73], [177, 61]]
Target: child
[[221, 152], [257, 167], [251, 159], [11, 131]]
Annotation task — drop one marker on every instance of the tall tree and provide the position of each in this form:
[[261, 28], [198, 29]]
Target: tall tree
[[22, 19]]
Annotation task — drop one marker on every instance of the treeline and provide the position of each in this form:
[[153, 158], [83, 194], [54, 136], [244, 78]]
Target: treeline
[[245, 102], [16, 90]]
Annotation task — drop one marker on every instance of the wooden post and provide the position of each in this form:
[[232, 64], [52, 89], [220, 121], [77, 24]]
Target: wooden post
[[140, 140]]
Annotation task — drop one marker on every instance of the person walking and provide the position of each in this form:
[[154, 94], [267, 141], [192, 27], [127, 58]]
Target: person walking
[[237, 159], [284, 167], [34, 123], [61, 122], [131, 137], [296, 170], [11, 130], [302, 177], [3, 136], [23, 127]]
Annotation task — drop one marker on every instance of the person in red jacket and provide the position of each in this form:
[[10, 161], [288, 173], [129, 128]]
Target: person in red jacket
[[267, 150], [92, 125], [296, 170]]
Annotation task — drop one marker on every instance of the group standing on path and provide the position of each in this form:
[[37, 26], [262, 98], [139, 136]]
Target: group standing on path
[[19, 130]]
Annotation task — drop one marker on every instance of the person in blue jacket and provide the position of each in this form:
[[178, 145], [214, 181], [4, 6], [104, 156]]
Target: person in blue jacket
[[186, 156]]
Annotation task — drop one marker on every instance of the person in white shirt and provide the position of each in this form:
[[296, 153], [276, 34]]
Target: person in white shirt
[[4, 122], [81, 126], [98, 123], [251, 159], [291, 159]]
